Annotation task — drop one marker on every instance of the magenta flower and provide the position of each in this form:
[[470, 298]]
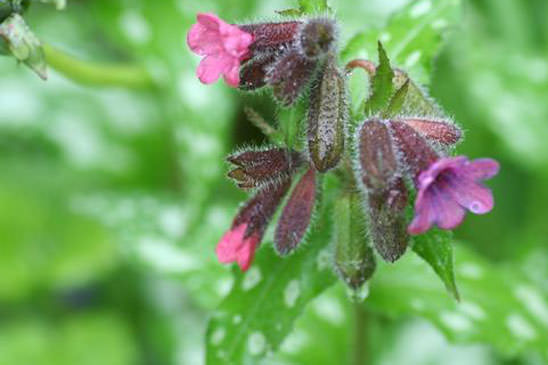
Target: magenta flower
[[448, 188], [235, 247], [224, 46]]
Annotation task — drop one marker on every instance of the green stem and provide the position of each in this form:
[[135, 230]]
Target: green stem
[[87, 73], [359, 352]]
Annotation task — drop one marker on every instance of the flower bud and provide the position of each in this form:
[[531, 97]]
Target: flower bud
[[253, 73], [271, 37], [297, 214], [327, 116], [354, 258], [418, 155], [440, 131], [260, 168], [23, 44], [377, 158], [289, 76], [387, 222], [317, 37]]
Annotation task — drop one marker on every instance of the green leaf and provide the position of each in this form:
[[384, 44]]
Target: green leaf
[[498, 305], [290, 121], [313, 6], [436, 248], [397, 102], [382, 85], [413, 36], [264, 302]]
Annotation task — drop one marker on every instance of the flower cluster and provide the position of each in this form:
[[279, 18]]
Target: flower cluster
[[388, 156]]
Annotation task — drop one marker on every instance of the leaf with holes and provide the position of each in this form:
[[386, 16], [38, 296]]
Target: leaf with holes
[[264, 302], [498, 305]]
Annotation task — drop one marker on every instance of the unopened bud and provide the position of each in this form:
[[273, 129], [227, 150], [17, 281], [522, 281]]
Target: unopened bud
[[327, 116], [387, 222], [317, 37], [377, 158], [260, 168], [297, 214], [418, 155], [253, 73], [271, 37], [289, 76], [441, 131], [23, 44], [354, 258]]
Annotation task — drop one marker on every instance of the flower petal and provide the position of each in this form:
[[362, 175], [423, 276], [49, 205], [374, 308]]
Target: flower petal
[[209, 21], [473, 196], [247, 252], [232, 76], [424, 217], [481, 169], [210, 69], [228, 247], [447, 213]]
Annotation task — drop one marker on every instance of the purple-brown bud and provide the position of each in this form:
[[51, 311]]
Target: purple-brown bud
[[260, 168], [317, 37], [258, 211], [354, 258], [440, 131], [297, 214], [327, 116], [271, 37], [417, 153], [289, 76], [377, 156], [253, 73], [388, 227]]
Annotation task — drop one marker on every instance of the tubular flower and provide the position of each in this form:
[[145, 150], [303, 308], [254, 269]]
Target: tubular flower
[[235, 247], [224, 46], [448, 188]]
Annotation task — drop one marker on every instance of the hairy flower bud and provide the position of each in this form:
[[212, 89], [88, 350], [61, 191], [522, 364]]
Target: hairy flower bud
[[418, 155], [317, 37], [259, 168], [377, 158], [289, 76], [297, 214], [387, 222], [327, 117], [271, 37], [253, 73], [441, 131], [354, 258], [23, 44]]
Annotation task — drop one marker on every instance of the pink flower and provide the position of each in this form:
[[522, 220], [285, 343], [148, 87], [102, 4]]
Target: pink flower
[[236, 247], [223, 45], [448, 188]]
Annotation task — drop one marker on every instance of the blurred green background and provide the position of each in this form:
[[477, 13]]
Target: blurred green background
[[113, 199]]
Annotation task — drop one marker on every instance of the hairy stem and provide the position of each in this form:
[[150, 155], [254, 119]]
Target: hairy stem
[[359, 349], [88, 73]]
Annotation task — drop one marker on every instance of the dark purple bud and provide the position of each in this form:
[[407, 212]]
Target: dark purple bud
[[271, 37], [253, 73], [258, 211], [289, 76], [387, 222], [417, 153], [297, 214], [260, 168], [327, 114], [439, 131], [317, 37], [377, 156], [354, 258]]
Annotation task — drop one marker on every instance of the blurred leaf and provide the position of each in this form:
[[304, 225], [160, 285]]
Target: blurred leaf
[[412, 37], [436, 248], [313, 6], [264, 302], [498, 305], [382, 85]]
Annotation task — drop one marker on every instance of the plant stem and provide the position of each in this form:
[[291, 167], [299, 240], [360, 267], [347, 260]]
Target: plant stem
[[88, 73], [359, 353]]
